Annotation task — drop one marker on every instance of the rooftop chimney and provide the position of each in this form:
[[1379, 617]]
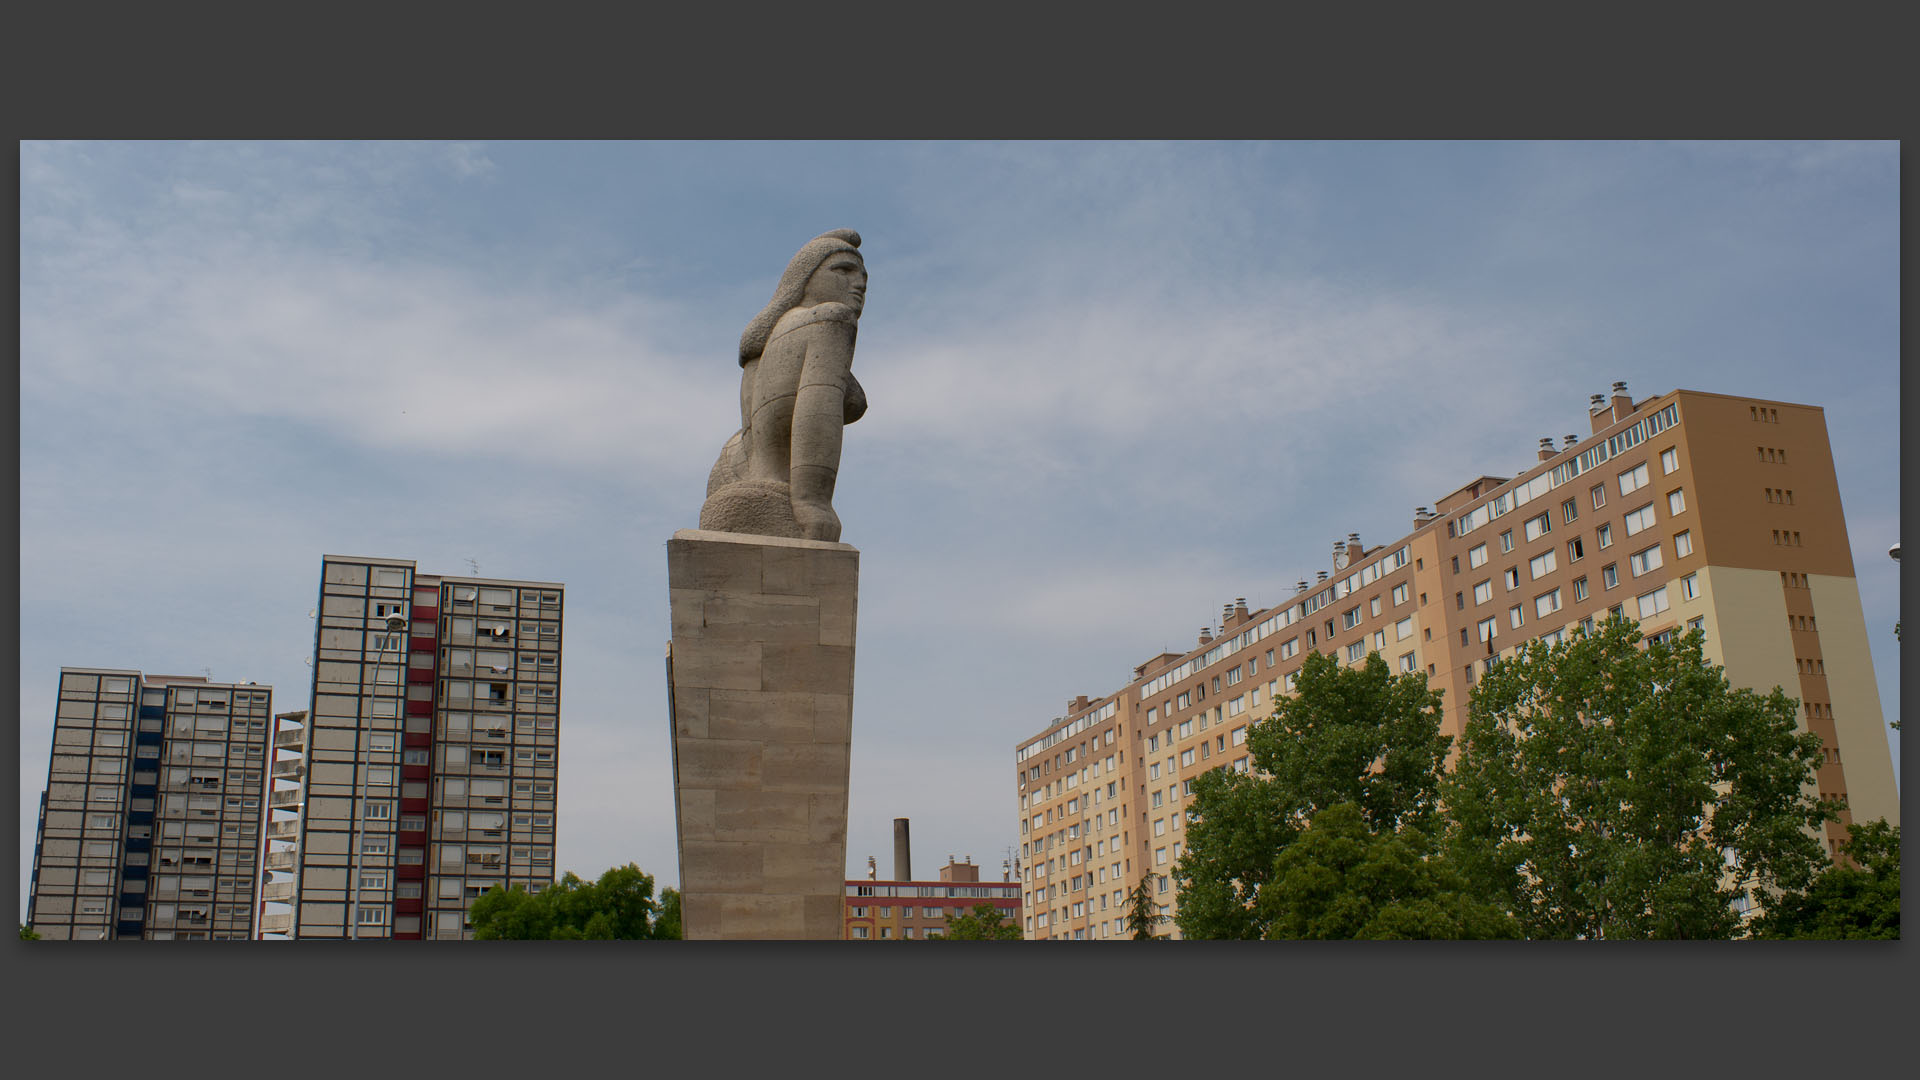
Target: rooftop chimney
[[873, 869], [1355, 548], [902, 864], [1546, 448], [1622, 402], [1240, 608], [1320, 575], [1300, 586], [1206, 635], [1421, 515], [1598, 415], [1570, 441]]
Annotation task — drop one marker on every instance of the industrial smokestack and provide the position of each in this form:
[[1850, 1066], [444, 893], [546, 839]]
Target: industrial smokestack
[[902, 861]]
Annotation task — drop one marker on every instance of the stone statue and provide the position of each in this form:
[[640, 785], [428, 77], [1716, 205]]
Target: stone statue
[[775, 475]]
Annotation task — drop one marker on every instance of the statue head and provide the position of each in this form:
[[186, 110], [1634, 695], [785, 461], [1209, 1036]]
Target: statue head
[[793, 287]]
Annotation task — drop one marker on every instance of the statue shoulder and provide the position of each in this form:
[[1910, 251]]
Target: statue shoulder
[[815, 315]]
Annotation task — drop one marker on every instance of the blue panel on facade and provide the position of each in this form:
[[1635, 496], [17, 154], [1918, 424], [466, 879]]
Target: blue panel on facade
[[139, 817], [147, 738], [145, 791], [130, 928], [133, 900], [153, 712], [139, 843], [133, 873]]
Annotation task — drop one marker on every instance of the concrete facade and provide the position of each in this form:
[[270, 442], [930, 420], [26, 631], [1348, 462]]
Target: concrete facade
[[150, 822], [1683, 511], [425, 771], [760, 674]]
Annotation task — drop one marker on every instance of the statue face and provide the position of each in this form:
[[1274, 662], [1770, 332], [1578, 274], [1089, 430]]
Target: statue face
[[842, 279]]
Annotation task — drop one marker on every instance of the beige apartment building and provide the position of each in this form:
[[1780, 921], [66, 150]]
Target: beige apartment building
[[150, 821], [425, 770], [1686, 510]]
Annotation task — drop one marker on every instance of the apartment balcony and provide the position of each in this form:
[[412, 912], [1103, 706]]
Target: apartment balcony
[[281, 860], [284, 830], [277, 892], [290, 739], [277, 922], [287, 799], [291, 769]]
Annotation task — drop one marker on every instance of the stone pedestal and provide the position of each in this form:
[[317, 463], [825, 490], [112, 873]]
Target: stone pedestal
[[760, 685]]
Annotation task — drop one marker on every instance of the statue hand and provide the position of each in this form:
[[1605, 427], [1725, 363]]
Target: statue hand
[[817, 521]]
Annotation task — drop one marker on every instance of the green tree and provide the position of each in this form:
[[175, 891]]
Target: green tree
[[1861, 900], [1339, 880], [1143, 914], [983, 923], [666, 926], [28, 934], [1613, 791], [1357, 735], [619, 906]]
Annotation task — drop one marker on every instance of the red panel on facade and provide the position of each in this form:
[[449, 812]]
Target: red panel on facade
[[419, 708], [408, 873], [421, 643], [419, 738], [413, 806], [409, 906], [415, 772], [426, 613], [419, 675], [414, 936]]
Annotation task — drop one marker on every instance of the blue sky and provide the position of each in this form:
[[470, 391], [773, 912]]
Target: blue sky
[[1113, 386]]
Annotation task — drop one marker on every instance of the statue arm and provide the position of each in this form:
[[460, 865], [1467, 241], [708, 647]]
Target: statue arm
[[818, 417]]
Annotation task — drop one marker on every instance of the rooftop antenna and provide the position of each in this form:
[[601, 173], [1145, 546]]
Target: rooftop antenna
[[208, 672], [475, 566]]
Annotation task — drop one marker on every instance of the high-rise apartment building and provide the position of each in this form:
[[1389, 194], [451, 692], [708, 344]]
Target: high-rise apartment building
[[150, 821], [1683, 511], [425, 770]]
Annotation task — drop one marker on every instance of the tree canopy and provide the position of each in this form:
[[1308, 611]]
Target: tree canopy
[[1860, 900], [1340, 880], [1354, 736], [1143, 914], [1611, 790], [983, 923], [619, 906]]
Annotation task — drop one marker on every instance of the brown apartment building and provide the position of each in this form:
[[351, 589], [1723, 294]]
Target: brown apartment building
[[425, 770], [1686, 510], [877, 910]]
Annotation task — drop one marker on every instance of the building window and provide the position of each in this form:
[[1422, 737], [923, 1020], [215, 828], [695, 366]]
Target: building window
[[1669, 460], [1400, 594], [1599, 493], [1506, 541], [373, 916], [1476, 557], [1569, 510], [1640, 519], [1546, 603], [1690, 586], [1579, 589], [1683, 544], [1609, 576], [1512, 578], [1406, 662], [1652, 603], [1576, 549], [1515, 616], [1641, 562], [1403, 629], [1542, 564], [1536, 527], [1604, 536], [1487, 629], [1633, 479], [1483, 592], [1355, 653], [1676, 502]]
